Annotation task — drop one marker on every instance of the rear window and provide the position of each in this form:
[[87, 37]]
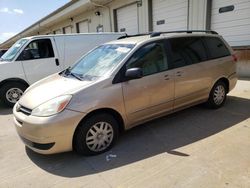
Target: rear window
[[216, 47], [187, 51]]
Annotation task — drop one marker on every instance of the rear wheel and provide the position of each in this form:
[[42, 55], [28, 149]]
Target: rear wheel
[[217, 95], [96, 135], [10, 93]]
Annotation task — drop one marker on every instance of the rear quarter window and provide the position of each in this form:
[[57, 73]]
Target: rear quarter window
[[216, 47], [187, 51]]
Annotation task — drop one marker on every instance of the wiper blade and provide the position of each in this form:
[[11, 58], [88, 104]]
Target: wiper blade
[[74, 75], [68, 72]]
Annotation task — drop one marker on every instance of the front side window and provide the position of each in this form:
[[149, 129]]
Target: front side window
[[216, 47], [187, 51], [100, 61], [12, 52], [38, 49], [150, 58]]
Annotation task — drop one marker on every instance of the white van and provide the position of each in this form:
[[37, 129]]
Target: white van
[[33, 58]]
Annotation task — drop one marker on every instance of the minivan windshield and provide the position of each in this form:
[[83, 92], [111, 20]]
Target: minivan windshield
[[15, 48], [100, 61]]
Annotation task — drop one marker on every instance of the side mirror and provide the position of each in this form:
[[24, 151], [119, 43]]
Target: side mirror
[[26, 54], [134, 73]]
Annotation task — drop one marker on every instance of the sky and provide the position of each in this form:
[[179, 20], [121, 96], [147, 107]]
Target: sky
[[17, 15]]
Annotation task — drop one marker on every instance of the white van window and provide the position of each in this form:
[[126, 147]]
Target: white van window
[[38, 49], [12, 52]]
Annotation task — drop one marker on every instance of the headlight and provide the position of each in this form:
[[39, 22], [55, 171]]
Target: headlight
[[52, 106]]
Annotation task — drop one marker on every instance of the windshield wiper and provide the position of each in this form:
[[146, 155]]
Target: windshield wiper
[[68, 72], [74, 75]]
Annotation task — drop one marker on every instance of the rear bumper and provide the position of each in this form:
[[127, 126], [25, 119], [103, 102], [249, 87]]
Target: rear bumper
[[232, 81]]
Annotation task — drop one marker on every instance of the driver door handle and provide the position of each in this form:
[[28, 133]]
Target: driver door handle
[[57, 62]]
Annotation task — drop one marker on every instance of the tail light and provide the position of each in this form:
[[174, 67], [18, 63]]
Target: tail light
[[235, 58]]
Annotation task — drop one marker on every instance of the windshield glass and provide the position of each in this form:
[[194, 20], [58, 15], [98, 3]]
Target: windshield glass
[[101, 60], [15, 48]]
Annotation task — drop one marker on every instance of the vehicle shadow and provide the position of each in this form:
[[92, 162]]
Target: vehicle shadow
[[4, 110], [164, 135]]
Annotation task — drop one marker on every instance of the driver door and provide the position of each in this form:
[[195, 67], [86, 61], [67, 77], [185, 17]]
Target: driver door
[[39, 59], [153, 94]]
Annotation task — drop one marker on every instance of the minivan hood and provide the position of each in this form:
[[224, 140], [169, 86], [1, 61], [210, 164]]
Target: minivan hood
[[49, 88]]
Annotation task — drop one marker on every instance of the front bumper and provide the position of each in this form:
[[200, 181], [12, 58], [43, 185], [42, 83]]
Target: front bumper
[[48, 135]]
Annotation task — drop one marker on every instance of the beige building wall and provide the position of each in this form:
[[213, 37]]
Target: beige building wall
[[196, 18]]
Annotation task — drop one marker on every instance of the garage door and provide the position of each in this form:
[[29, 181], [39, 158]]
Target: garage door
[[169, 15], [83, 27], [67, 30], [231, 18], [127, 19]]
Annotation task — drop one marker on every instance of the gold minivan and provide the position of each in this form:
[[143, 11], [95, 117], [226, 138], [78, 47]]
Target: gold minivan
[[121, 84]]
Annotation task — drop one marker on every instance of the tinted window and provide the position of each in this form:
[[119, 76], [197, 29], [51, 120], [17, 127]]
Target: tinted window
[[39, 49], [150, 58], [187, 51], [216, 47]]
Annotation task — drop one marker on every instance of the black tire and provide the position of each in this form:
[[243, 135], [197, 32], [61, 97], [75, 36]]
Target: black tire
[[212, 103], [83, 131], [6, 88]]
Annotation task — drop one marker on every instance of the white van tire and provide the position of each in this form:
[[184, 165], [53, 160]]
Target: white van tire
[[11, 92]]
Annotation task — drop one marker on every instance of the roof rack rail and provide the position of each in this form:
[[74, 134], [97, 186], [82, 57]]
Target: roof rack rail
[[136, 35], [155, 34]]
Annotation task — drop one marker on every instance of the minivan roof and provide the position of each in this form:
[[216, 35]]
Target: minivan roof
[[146, 37]]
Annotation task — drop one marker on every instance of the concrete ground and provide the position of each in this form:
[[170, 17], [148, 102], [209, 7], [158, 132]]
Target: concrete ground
[[193, 148]]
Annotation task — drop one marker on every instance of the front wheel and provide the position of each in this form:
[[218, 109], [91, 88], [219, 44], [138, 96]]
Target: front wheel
[[217, 96], [96, 135], [10, 93]]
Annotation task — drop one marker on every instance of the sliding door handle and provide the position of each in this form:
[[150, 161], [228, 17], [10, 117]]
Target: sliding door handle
[[166, 77], [178, 73]]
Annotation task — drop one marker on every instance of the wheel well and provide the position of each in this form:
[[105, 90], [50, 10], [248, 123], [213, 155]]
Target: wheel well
[[225, 81], [110, 111], [11, 80]]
